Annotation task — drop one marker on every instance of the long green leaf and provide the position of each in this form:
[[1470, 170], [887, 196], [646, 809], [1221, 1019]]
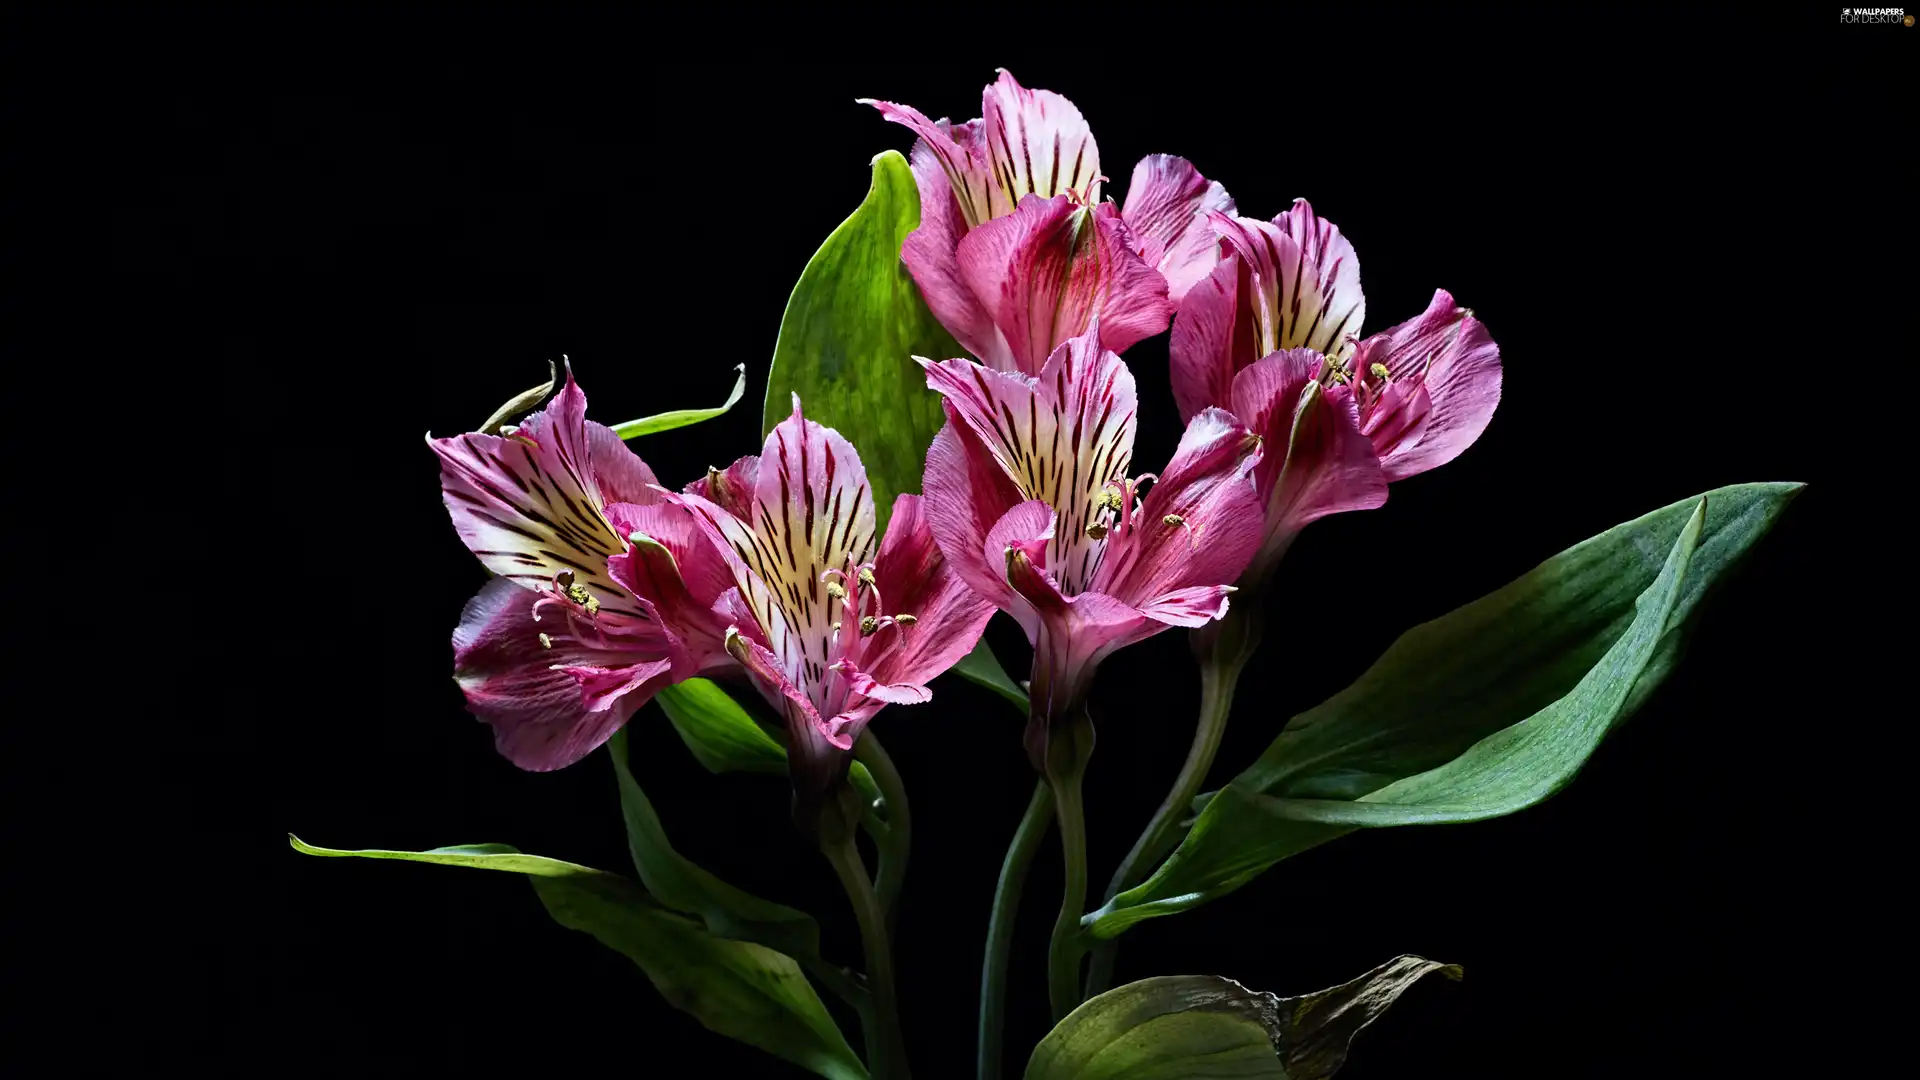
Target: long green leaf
[[725, 737], [1446, 685], [1181, 1026], [851, 329], [682, 885], [679, 418], [1515, 767], [982, 667], [738, 989]]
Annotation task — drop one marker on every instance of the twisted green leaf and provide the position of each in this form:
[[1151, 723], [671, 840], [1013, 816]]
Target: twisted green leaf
[[1184, 1026], [679, 418]]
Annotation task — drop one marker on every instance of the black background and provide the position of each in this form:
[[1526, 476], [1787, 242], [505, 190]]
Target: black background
[[364, 226]]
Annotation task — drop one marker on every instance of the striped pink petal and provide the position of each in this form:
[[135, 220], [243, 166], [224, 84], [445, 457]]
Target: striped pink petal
[[930, 254], [1429, 387], [1315, 461], [673, 565], [1051, 269], [1197, 528], [532, 505], [1166, 207], [554, 684], [811, 512], [1037, 144], [1062, 437]]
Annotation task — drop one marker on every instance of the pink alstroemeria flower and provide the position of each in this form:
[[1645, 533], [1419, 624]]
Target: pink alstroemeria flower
[[1016, 253], [1273, 333], [1028, 491], [582, 625], [830, 631]]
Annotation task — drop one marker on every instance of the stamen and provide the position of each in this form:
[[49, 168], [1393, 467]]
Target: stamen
[[872, 589], [1175, 520], [836, 590], [905, 620], [1379, 371], [579, 595], [737, 645], [546, 642], [1097, 530], [868, 624]]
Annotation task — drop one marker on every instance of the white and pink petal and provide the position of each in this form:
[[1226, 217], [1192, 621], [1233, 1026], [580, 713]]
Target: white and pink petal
[[531, 505], [1037, 144]]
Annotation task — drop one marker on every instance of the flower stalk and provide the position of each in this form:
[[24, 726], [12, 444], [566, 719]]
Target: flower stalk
[[1222, 649], [1006, 904], [895, 841], [886, 1043]]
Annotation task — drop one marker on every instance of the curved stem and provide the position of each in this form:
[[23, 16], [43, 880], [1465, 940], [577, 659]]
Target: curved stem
[[1223, 649], [886, 1045], [1066, 948], [842, 983], [1006, 904], [895, 841]]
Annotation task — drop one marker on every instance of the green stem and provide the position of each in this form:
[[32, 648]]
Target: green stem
[[842, 983], [886, 1045], [1006, 903], [896, 839], [1223, 649], [1067, 946]]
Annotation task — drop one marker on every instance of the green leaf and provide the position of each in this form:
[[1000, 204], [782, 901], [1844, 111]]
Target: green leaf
[[851, 329], [725, 737], [679, 418], [721, 734], [980, 666], [684, 886], [738, 989], [1515, 767], [476, 856], [1448, 684], [1180, 1026]]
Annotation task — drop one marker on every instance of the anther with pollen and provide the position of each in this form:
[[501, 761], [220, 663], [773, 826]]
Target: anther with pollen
[[1379, 371], [868, 624], [546, 642], [565, 584], [905, 620], [836, 590], [1175, 521]]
